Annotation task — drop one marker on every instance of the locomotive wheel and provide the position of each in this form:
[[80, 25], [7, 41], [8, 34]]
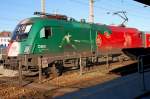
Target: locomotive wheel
[[54, 71], [57, 68]]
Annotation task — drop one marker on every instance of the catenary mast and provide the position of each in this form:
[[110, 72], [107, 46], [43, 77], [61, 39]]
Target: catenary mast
[[43, 6], [91, 11]]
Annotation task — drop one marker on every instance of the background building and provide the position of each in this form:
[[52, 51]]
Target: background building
[[4, 39]]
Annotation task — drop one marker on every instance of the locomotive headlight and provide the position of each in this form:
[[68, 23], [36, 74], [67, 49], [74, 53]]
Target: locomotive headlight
[[27, 49], [14, 49]]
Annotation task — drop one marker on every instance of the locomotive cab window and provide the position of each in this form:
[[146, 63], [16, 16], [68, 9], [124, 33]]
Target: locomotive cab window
[[21, 32], [46, 32]]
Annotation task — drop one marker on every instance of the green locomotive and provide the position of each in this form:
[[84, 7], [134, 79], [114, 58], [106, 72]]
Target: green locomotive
[[55, 37]]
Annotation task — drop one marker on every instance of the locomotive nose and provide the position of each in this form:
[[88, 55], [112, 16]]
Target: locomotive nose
[[14, 49]]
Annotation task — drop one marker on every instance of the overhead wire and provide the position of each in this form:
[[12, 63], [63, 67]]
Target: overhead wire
[[130, 13], [129, 10], [103, 9], [111, 10]]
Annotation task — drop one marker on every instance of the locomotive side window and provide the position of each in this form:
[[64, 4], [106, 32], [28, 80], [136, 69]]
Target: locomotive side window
[[46, 32]]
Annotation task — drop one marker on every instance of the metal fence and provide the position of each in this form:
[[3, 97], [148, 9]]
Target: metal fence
[[143, 66]]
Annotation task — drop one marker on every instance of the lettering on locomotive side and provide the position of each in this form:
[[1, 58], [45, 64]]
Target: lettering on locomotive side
[[42, 46]]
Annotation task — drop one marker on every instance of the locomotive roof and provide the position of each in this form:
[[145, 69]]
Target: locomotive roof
[[125, 29], [70, 22]]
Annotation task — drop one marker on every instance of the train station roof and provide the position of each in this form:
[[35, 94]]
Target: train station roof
[[147, 2]]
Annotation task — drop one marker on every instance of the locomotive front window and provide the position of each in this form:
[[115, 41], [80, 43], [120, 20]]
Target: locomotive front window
[[21, 31], [23, 28], [27, 29]]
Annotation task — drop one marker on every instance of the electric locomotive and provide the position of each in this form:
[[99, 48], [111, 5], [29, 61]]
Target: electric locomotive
[[53, 36]]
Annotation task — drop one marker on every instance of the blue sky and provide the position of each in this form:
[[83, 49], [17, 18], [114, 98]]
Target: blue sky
[[13, 11]]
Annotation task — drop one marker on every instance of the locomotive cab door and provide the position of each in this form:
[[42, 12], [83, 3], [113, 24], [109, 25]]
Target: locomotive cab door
[[49, 40]]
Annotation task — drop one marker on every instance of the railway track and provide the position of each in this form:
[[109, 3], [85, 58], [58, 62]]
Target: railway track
[[68, 82]]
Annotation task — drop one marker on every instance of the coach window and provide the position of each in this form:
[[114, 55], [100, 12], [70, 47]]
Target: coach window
[[46, 32]]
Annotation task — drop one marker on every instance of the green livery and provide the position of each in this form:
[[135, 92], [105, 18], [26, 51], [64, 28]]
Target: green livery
[[43, 35]]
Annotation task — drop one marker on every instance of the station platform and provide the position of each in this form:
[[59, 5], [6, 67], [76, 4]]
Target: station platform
[[127, 87]]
